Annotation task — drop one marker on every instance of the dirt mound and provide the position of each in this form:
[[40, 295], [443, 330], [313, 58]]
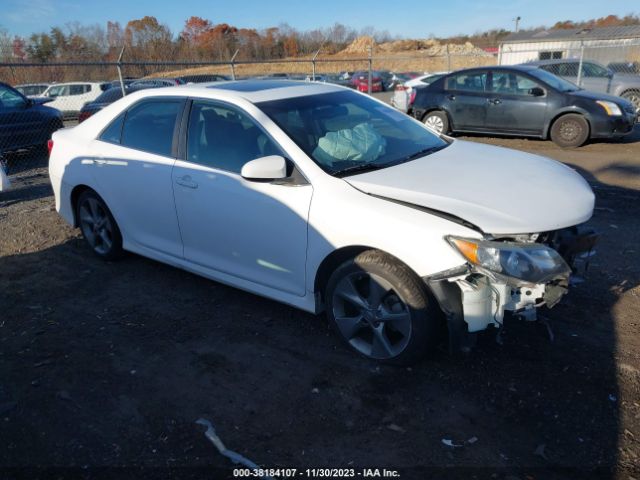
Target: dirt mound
[[428, 46], [359, 45]]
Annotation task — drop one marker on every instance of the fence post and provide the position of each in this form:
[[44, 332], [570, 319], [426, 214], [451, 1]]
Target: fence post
[[579, 77], [119, 67], [370, 69], [233, 68], [313, 65], [448, 59]]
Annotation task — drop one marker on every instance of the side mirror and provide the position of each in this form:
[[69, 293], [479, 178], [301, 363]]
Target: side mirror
[[536, 92], [272, 167]]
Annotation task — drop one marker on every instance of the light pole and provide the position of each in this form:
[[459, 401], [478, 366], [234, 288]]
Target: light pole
[[517, 20]]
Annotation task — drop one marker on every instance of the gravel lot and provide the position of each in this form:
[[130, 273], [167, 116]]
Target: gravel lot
[[104, 367]]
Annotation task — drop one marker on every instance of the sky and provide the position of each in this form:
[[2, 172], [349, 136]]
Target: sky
[[418, 19]]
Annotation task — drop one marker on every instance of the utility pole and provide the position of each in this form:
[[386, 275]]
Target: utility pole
[[517, 20]]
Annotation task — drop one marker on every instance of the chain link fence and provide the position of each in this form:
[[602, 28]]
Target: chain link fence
[[58, 94], [603, 60]]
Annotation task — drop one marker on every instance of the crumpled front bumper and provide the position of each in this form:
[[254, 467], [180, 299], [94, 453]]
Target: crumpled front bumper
[[474, 299]]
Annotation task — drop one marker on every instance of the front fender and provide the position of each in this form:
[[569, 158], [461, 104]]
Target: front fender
[[342, 216]]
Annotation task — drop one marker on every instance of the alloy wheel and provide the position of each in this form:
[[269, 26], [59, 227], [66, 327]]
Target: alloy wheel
[[435, 123], [570, 130], [371, 315], [96, 226]]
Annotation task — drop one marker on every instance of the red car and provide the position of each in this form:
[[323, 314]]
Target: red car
[[360, 81]]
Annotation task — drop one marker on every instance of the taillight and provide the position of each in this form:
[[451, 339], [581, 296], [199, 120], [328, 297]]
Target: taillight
[[84, 115], [50, 146], [412, 97]]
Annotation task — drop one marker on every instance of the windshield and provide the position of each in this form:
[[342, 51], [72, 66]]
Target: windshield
[[345, 132], [553, 81]]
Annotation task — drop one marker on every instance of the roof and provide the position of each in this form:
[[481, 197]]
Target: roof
[[259, 90], [575, 34]]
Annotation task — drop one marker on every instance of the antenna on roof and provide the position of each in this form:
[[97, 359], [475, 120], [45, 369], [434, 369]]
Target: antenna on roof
[[517, 20]]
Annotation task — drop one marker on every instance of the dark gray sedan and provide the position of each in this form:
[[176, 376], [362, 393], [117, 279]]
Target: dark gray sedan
[[523, 101]]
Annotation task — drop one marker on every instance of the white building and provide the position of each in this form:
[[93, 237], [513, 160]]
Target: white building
[[604, 44]]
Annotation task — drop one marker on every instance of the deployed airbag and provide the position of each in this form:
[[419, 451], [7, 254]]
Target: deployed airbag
[[360, 143]]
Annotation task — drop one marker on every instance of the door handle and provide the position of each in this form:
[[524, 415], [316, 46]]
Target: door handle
[[451, 97], [494, 101], [186, 182]]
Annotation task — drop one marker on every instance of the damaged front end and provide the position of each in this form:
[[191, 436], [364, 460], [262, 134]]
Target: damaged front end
[[516, 274]]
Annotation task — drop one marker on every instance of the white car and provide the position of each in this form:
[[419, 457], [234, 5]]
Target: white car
[[404, 94], [70, 97], [326, 199]]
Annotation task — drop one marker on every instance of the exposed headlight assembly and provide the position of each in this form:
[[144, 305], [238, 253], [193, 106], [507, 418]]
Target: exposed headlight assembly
[[532, 263], [611, 108]]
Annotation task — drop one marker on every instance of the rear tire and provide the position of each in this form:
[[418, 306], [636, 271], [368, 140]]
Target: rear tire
[[570, 131], [381, 309], [98, 226], [437, 120]]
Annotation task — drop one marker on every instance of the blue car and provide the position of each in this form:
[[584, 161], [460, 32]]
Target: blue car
[[25, 122]]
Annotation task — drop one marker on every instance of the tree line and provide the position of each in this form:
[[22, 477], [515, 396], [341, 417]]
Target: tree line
[[200, 40], [147, 39]]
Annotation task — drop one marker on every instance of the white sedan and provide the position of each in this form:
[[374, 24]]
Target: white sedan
[[404, 93], [328, 200]]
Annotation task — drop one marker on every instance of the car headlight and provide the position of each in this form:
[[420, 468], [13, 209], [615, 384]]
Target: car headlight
[[611, 108], [534, 263]]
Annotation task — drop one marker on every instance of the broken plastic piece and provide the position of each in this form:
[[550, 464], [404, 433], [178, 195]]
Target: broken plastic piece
[[5, 184], [449, 443], [235, 457]]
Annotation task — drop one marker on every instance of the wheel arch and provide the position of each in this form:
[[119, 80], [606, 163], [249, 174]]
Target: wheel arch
[[336, 258], [547, 131], [75, 195]]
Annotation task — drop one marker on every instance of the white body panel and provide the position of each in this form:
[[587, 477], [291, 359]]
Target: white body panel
[[138, 186], [251, 230], [496, 189], [271, 238]]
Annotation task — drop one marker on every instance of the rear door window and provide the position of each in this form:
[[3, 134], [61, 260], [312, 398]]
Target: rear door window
[[149, 126], [468, 82]]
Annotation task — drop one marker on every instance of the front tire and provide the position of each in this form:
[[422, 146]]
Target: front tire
[[381, 309], [437, 120], [570, 131], [98, 226], [634, 97]]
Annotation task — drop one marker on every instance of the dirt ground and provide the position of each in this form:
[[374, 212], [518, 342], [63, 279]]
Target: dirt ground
[[105, 367]]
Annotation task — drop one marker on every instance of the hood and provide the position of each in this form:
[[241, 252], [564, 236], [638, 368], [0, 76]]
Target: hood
[[501, 191], [598, 96]]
